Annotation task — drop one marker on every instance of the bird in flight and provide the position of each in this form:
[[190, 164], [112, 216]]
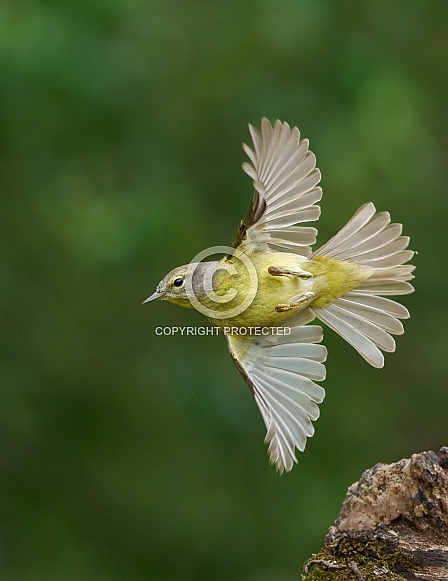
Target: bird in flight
[[270, 285]]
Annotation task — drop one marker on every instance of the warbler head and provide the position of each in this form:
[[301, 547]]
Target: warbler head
[[183, 282], [172, 287]]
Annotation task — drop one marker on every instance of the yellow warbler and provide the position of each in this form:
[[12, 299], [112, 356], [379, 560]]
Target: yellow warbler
[[270, 285]]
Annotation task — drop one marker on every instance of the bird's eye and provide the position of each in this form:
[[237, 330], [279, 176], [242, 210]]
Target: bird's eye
[[178, 282]]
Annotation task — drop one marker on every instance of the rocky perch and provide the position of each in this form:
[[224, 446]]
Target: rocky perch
[[393, 525]]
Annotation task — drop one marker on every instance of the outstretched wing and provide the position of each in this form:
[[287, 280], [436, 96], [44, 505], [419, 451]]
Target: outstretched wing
[[280, 371], [285, 178]]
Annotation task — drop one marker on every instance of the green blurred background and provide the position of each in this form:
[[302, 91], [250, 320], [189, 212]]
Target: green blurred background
[[129, 456]]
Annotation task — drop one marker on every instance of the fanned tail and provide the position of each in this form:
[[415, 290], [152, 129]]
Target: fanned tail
[[362, 317]]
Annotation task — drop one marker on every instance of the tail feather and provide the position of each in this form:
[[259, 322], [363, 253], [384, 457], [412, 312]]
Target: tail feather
[[376, 315], [385, 287], [356, 338], [353, 226], [363, 318], [386, 250], [370, 240], [397, 310]]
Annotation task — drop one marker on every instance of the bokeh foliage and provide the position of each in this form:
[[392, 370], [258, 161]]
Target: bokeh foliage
[[128, 456]]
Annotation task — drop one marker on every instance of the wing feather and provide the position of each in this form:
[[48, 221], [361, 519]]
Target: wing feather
[[285, 179], [281, 371]]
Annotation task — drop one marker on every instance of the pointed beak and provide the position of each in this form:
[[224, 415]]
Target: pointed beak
[[154, 296]]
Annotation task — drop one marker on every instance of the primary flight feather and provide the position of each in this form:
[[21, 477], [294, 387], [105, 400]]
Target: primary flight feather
[[272, 282]]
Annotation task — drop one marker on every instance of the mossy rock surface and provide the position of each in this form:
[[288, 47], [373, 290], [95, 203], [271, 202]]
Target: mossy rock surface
[[393, 525]]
